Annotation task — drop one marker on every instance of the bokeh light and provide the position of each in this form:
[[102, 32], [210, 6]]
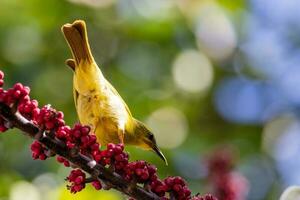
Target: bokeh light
[[273, 130], [192, 71], [260, 175], [169, 125], [278, 13], [240, 100], [287, 148], [214, 32], [149, 9], [291, 193], [289, 82], [24, 191], [47, 183], [190, 166], [264, 49]]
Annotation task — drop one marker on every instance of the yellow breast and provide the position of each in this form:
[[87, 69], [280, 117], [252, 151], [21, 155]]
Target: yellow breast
[[105, 112]]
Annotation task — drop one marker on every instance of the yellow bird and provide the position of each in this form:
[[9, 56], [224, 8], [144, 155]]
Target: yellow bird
[[97, 102]]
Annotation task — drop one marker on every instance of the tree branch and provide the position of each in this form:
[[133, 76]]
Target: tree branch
[[83, 162]]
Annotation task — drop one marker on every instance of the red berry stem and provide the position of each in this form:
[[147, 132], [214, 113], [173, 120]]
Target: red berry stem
[[78, 147], [80, 160]]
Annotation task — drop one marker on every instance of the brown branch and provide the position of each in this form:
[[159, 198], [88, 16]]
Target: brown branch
[[85, 163]]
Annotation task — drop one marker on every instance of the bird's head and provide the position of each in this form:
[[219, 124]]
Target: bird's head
[[146, 140]]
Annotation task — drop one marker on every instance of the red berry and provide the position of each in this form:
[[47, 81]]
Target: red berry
[[79, 180], [2, 128], [177, 188], [38, 151], [17, 94], [95, 146], [145, 175], [111, 146], [77, 133], [119, 157], [18, 86], [1, 75], [70, 145], [60, 115], [66, 163], [85, 130], [42, 157], [26, 90], [49, 125], [97, 185], [60, 159]]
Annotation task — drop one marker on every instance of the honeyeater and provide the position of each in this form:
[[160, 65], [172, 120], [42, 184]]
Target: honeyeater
[[97, 102]]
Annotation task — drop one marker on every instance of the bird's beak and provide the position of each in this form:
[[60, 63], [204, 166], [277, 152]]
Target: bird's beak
[[160, 154]]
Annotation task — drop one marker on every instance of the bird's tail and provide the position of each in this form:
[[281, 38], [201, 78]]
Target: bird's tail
[[76, 36]]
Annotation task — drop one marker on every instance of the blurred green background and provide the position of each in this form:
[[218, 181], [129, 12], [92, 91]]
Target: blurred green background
[[201, 73]]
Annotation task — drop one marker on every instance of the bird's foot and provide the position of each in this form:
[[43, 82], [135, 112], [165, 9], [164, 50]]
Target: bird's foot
[[121, 136]]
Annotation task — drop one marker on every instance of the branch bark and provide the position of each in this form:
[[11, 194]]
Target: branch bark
[[112, 179]]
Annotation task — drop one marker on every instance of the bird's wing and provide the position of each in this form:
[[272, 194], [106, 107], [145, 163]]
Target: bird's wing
[[117, 94]]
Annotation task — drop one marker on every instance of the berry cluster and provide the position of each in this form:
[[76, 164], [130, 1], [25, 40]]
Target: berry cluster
[[227, 184], [178, 187], [77, 180], [29, 109], [114, 156], [38, 151], [158, 187], [48, 118], [80, 139], [141, 171], [18, 94]]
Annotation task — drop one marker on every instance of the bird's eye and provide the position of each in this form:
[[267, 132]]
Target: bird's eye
[[151, 136]]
